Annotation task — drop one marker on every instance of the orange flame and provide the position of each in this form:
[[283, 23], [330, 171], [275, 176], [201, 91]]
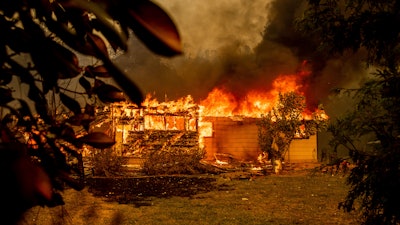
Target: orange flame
[[220, 102]]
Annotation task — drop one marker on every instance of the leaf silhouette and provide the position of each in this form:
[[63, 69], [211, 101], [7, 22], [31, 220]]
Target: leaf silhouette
[[90, 109], [51, 32], [68, 133], [103, 22], [98, 83], [5, 96], [24, 110], [117, 40], [98, 140], [86, 85], [80, 119], [130, 88], [154, 27], [6, 76], [109, 94], [96, 43], [70, 103], [65, 61], [97, 71], [27, 184], [17, 39]]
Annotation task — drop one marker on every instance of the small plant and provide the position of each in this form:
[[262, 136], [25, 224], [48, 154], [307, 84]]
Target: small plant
[[174, 161], [278, 128], [107, 163]]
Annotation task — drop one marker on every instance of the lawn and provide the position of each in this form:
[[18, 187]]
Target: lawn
[[291, 198]]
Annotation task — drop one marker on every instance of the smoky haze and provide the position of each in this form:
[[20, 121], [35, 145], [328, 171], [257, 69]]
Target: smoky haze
[[239, 45]]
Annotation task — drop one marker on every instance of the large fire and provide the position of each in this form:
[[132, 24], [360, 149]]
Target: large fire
[[256, 102], [220, 102], [185, 114]]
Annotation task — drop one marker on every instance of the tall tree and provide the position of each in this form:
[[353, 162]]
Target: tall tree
[[36, 150], [278, 128], [371, 132]]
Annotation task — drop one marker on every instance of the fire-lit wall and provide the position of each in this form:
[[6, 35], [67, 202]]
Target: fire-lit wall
[[239, 137], [303, 150]]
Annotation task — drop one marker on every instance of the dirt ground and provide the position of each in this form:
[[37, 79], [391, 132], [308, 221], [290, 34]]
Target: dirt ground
[[294, 197]]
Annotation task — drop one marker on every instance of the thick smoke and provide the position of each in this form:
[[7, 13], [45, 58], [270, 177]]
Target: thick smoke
[[327, 72], [219, 38], [239, 45]]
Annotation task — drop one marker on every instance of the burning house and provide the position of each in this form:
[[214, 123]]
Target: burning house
[[183, 124], [238, 137], [223, 124]]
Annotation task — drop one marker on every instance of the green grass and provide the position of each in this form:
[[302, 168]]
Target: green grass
[[275, 199]]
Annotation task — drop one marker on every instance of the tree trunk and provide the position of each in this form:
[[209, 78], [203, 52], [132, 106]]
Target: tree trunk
[[277, 165]]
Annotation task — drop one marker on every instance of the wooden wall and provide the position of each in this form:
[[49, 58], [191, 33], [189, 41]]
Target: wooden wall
[[239, 137], [303, 150], [235, 137]]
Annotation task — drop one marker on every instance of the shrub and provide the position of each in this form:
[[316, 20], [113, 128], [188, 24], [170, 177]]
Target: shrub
[[107, 163], [174, 161]]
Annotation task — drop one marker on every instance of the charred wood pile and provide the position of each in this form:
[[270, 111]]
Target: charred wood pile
[[151, 127], [163, 136], [142, 143]]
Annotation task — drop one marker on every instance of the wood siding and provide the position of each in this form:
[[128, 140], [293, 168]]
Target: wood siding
[[303, 150], [238, 137]]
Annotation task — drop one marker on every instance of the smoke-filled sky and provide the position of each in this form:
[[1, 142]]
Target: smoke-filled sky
[[238, 44]]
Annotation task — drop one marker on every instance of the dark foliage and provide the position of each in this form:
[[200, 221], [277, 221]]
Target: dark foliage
[[284, 122], [107, 163], [370, 132], [175, 161], [40, 44]]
